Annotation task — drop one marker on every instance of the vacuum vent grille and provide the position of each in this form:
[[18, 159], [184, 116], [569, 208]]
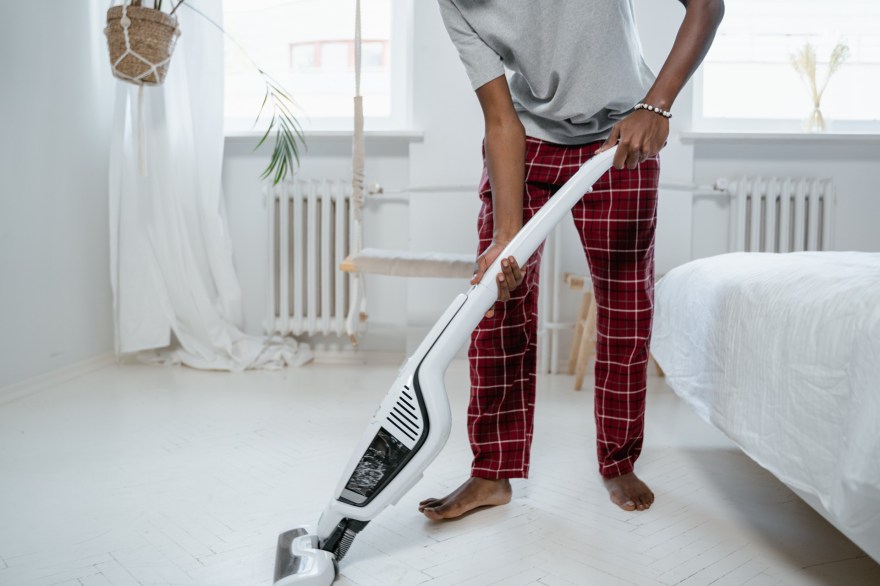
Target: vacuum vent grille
[[405, 416]]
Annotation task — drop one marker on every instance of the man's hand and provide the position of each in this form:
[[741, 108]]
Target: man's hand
[[643, 133], [510, 277], [638, 137]]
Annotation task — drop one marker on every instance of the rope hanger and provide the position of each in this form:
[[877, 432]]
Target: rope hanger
[[378, 261], [153, 69]]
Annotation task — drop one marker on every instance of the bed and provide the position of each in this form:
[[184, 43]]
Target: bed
[[781, 352]]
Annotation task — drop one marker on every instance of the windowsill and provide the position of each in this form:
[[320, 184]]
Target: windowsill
[[702, 137], [410, 135]]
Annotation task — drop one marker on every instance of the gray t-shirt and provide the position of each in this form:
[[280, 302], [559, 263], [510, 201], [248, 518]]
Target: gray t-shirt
[[574, 67]]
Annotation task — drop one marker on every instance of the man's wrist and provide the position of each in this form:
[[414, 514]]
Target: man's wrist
[[505, 235], [652, 108], [659, 99]]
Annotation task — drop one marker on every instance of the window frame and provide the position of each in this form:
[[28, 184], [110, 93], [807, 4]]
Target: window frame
[[400, 118], [349, 44]]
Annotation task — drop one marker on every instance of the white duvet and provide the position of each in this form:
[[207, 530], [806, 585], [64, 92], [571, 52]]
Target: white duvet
[[782, 353]]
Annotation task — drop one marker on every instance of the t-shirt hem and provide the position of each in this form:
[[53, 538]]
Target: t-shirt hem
[[534, 130]]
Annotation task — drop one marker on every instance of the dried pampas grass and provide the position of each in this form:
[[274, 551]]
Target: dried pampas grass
[[804, 63]]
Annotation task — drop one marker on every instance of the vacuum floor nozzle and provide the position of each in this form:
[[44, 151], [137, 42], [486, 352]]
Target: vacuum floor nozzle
[[299, 560]]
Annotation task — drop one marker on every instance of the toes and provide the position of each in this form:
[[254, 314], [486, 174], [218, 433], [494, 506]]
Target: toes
[[439, 512], [430, 504], [630, 503], [619, 498], [622, 501]]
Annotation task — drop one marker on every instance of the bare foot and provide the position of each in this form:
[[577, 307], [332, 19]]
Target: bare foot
[[475, 492], [629, 493]]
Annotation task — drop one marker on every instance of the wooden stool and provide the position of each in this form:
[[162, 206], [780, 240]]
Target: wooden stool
[[584, 343]]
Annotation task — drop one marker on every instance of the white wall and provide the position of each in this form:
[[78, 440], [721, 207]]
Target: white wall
[[56, 108], [445, 109]]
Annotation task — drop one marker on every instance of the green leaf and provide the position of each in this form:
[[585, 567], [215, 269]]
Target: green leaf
[[289, 136], [280, 173], [262, 107], [266, 135]]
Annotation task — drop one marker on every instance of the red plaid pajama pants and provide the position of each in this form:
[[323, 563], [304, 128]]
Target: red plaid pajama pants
[[616, 223]]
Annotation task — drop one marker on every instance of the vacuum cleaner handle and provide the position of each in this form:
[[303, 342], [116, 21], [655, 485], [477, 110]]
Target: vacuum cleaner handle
[[536, 230], [453, 329]]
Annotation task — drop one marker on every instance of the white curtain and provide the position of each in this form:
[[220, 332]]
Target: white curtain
[[176, 295]]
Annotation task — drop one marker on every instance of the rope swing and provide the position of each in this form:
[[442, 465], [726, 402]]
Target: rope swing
[[401, 263]]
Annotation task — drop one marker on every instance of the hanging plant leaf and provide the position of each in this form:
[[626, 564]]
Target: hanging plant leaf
[[289, 138]]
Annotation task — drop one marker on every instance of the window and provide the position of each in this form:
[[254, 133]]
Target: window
[[336, 56], [308, 46], [748, 75]]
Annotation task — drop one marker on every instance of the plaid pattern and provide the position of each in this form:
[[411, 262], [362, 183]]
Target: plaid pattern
[[616, 223]]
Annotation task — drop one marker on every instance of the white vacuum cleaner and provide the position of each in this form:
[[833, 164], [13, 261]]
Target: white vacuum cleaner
[[412, 423]]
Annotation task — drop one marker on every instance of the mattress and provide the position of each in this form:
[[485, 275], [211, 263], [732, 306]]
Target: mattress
[[782, 353]]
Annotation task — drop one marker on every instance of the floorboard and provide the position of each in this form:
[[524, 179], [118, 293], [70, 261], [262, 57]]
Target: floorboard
[[137, 475]]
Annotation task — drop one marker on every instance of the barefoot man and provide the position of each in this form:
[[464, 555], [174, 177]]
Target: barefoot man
[[576, 84]]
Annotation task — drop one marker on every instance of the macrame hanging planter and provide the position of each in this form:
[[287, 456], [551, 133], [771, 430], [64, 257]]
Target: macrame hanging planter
[[141, 42]]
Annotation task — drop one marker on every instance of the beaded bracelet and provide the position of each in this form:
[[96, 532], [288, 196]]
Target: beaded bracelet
[[655, 109]]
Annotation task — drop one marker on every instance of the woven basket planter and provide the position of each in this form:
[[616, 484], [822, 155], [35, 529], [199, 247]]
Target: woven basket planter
[[141, 42]]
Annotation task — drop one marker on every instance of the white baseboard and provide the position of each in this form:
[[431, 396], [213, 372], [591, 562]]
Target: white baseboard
[[26, 387]]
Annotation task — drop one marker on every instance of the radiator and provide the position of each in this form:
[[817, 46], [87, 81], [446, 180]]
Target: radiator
[[310, 227], [781, 214]]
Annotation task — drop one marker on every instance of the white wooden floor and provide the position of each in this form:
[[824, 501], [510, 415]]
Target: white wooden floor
[[154, 475]]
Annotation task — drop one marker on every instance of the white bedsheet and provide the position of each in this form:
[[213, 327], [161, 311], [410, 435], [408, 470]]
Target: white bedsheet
[[782, 353]]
